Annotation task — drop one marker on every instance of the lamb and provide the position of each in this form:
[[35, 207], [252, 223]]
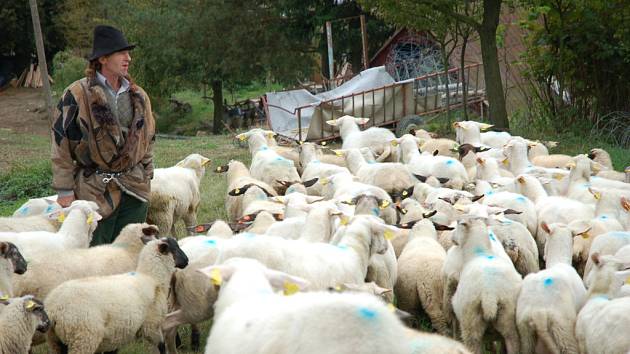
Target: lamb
[[36, 206], [551, 161], [255, 200], [40, 222], [393, 177], [19, 320], [606, 244], [591, 230], [444, 147], [113, 310], [284, 151], [239, 180], [419, 284], [550, 300], [487, 290], [48, 270], [11, 261], [469, 132], [324, 265], [75, 232], [524, 206], [374, 138], [175, 193], [601, 325], [317, 226], [538, 148], [267, 165], [247, 285], [613, 203], [519, 245], [315, 167]]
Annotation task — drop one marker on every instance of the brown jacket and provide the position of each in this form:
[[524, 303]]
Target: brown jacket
[[87, 143]]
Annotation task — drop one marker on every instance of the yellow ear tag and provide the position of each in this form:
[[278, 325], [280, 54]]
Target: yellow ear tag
[[384, 204], [338, 288], [270, 135], [4, 298], [505, 162], [628, 280], [339, 153], [90, 219], [585, 235], [242, 138], [344, 221], [323, 143], [403, 211], [237, 191], [597, 195], [558, 176], [394, 143], [215, 277], [290, 288], [405, 193], [391, 307], [388, 234], [61, 217], [218, 169], [30, 304]]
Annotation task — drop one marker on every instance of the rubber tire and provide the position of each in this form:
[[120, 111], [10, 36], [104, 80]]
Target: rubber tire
[[408, 122]]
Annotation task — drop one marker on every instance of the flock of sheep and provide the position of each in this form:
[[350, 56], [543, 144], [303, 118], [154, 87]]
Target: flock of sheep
[[489, 237]]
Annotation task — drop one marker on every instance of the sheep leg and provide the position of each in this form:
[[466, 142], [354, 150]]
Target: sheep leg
[[528, 338], [449, 290], [190, 217], [431, 305], [195, 335], [506, 326], [169, 327], [563, 334], [473, 328]]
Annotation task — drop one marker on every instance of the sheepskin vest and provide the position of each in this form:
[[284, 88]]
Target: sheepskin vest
[[89, 143]]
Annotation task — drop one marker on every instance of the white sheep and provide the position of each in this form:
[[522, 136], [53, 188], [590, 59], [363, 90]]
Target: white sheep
[[487, 290], [469, 132], [40, 222], [606, 244], [317, 226], [551, 299], [524, 206], [11, 261], [369, 326], [419, 283], [175, 193], [377, 139], [36, 206], [114, 310], [75, 232], [315, 167], [19, 319], [591, 229]]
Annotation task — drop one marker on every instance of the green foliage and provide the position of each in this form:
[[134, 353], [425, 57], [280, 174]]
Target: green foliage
[[23, 182], [66, 69], [580, 48]]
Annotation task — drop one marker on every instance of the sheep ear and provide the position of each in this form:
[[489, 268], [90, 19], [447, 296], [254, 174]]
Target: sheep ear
[[361, 121], [412, 131], [222, 169], [429, 214], [597, 195], [239, 191], [436, 152], [545, 227], [313, 199], [288, 283], [205, 161], [332, 122], [406, 193], [623, 275], [310, 182], [242, 136], [58, 215], [511, 211], [485, 126], [422, 179], [163, 248], [481, 149], [596, 258], [149, 234], [443, 180], [625, 204], [457, 125], [477, 197], [521, 179], [394, 142], [440, 227], [217, 273], [4, 247]]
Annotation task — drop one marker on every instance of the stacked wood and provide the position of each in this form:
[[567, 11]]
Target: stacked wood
[[32, 77]]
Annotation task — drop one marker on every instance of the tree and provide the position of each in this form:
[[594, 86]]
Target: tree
[[485, 22]]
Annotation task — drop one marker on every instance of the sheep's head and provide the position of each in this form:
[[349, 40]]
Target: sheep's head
[[341, 121], [169, 246], [11, 253]]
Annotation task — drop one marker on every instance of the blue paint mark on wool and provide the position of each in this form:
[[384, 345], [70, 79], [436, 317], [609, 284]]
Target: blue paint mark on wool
[[342, 247], [586, 185], [490, 193], [248, 234], [479, 251], [603, 217], [491, 235], [371, 162], [48, 209], [490, 257], [315, 161], [620, 234], [520, 199], [263, 148], [367, 313], [450, 161], [376, 212], [24, 210], [132, 273], [211, 243], [548, 282]]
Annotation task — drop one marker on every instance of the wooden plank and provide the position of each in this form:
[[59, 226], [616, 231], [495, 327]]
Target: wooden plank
[[29, 77]]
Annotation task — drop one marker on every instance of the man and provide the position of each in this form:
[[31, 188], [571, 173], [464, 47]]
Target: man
[[102, 139]]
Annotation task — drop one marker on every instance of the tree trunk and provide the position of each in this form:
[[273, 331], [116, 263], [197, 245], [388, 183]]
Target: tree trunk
[[462, 66], [491, 69], [217, 100]]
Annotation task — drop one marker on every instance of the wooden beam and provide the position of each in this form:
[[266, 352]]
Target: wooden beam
[[41, 56]]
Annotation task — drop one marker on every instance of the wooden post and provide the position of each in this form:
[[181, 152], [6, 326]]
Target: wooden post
[[41, 56], [331, 69], [364, 42]]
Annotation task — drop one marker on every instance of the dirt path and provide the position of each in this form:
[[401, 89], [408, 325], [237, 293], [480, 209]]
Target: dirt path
[[23, 111]]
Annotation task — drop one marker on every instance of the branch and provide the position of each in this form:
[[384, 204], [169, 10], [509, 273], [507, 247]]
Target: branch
[[445, 9]]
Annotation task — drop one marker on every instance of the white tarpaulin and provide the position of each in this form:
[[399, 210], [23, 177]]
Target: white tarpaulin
[[285, 123]]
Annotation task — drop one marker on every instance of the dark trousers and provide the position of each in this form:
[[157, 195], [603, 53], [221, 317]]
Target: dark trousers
[[130, 210]]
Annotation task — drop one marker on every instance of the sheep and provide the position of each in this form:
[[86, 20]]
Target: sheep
[[488, 170], [419, 284], [613, 203], [11, 261], [36, 206], [487, 289], [550, 300], [175, 193], [344, 261], [113, 310], [393, 177], [239, 180], [451, 171], [314, 167], [591, 230], [47, 270], [579, 180], [75, 232], [247, 285], [517, 202], [41, 222], [469, 132], [519, 245], [601, 325], [19, 320], [606, 244], [255, 200], [267, 165], [444, 147], [374, 138], [317, 226], [551, 161], [284, 151], [537, 148], [602, 157]]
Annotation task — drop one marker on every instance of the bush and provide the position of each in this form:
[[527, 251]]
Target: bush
[[67, 68]]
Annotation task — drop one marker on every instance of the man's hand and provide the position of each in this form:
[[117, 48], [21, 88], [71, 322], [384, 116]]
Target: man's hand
[[66, 200]]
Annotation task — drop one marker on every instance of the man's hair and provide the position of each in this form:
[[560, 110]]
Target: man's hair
[[95, 65]]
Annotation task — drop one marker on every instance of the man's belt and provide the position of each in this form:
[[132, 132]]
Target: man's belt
[[109, 176]]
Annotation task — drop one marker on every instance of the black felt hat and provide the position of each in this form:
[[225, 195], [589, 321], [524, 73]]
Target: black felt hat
[[108, 40]]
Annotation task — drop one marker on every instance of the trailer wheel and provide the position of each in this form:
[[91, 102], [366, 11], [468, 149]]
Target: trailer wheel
[[408, 123]]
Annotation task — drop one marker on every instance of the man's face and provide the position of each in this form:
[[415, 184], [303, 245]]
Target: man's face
[[116, 63]]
